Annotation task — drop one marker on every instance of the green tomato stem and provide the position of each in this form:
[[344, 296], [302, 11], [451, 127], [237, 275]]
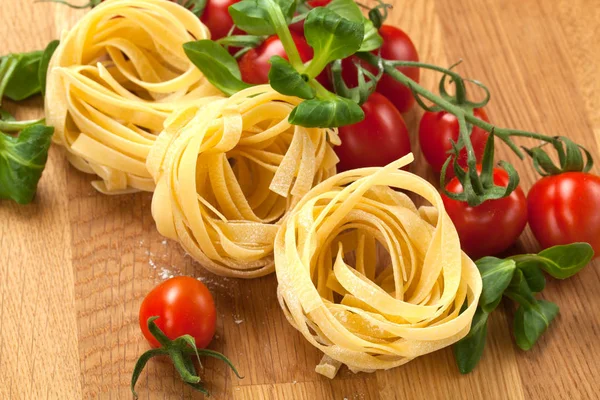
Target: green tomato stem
[[284, 34], [503, 133]]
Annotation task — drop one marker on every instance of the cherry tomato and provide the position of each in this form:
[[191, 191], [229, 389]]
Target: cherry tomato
[[254, 65], [435, 132], [396, 46], [216, 17], [377, 140], [491, 227], [184, 306], [565, 208]]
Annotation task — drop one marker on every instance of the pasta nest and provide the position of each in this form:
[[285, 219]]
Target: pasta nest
[[228, 172], [112, 82], [385, 310]]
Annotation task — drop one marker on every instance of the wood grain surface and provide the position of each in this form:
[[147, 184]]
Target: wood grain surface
[[75, 265]]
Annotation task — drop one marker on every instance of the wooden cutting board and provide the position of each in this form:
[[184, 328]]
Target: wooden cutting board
[[75, 265]]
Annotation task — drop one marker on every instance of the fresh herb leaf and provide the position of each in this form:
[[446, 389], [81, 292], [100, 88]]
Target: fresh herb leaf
[[22, 160], [326, 113], [286, 80], [518, 290], [532, 321], [23, 81], [349, 10], [217, 65], [331, 36], [255, 18], [565, 261], [534, 276], [468, 350], [496, 275], [44, 62], [241, 40]]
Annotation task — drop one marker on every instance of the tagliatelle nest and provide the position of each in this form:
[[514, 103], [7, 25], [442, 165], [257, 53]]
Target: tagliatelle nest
[[381, 312], [112, 82], [228, 172]]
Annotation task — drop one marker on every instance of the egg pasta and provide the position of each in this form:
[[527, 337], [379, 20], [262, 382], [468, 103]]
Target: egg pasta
[[112, 82], [384, 310], [228, 172]]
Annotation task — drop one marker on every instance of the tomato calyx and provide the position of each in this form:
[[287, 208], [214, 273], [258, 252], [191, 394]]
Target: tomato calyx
[[572, 157], [479, 186], [361, 93], [180, 350]]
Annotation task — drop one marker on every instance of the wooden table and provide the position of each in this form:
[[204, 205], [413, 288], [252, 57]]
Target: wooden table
[[75, 264]]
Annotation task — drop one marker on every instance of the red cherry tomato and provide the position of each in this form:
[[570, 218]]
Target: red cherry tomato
[[254, 65], [435, 132], [491, 227], [377, 140], [565, 208], [184, 306], [216, 17], [396, 46]]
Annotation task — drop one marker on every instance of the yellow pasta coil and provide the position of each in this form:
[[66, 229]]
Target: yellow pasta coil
[[228, 172], [112, 82], [410, 289]]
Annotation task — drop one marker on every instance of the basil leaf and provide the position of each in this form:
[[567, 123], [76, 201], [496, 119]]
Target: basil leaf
[[565, 261], [24, 82], [286, 80], [349, 10], [496, 275], [44, 62], [531, 322], [217, 65], [326, 113], [519, 290], [468, 350], [332, 36], [253, 16], [534, 276], [22, 160]]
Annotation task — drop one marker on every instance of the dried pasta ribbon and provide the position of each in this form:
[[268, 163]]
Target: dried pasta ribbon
[[112, 82], [384, 310], [228, 172]]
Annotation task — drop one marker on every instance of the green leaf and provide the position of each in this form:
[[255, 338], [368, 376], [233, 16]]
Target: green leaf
[[22, 160], [468, 350], [44, 62], [253, 16], [24, 81], [217, 65], [327, 113], [496, 275], [332, 36], [534, 276], [531, 322], [241, 41], [519, 290], [286, 80], [350, 10], [566, 260]]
